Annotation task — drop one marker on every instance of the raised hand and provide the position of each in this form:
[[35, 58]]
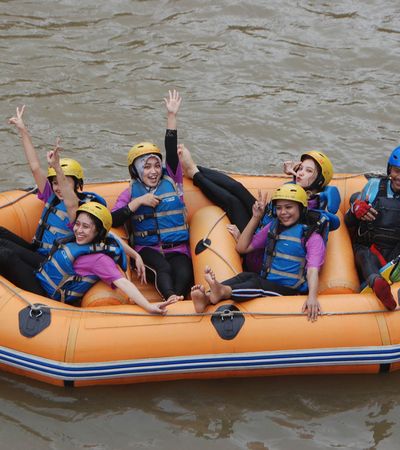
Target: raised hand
[[259, 205], [17, 119], [290, 167], [173, 102], [53, 156]]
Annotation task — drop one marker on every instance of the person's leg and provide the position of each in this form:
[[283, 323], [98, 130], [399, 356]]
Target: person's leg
[[368, 266], [222, 190], [12, 237], [367, 263], [30, 257], [247, 285], [231, 185], [160, 271], [19, 272], [237, 213], [182, 272]]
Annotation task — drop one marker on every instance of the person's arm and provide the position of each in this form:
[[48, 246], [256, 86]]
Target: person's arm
[[137, 297], [139, 264], [315, 257], [38, 173], [70, 198], [311, 305], [123, 209], [243, 245], [172, 103]]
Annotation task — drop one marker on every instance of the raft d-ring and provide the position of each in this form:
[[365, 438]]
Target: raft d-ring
[[35, 311], [226, 314]]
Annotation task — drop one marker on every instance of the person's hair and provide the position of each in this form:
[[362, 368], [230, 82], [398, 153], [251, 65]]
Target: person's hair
[[78, 184], [98, 224]]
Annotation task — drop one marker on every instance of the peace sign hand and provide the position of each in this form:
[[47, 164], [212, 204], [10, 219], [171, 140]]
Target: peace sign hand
[[17, 119]]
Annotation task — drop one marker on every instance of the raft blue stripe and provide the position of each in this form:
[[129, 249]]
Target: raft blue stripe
[[232, 362]]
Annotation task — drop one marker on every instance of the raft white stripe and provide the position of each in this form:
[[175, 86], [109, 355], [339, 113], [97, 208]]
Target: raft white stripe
[[200, 363]]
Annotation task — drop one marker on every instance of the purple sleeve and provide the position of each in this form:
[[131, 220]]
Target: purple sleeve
[[45, 195], [315, 248], [122, 200], [177, 177], [259, 240], [100, 265]]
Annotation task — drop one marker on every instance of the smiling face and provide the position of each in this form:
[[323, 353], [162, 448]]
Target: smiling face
[[84, 229], [394, 174], [56, 188], [152, 171], [307, 173], [287, 212]]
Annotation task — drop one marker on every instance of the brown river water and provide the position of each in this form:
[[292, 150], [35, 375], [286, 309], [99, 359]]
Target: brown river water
[[262, 81]]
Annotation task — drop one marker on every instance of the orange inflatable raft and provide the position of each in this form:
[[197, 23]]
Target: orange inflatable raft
[[110, 341]]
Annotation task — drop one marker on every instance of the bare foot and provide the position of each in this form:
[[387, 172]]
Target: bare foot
[[188, 165], [199, 297], [218, 291]]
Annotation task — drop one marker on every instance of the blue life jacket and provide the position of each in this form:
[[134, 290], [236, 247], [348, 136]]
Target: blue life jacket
[[384, 231], [164, 224], [328, 205], [57, 275], [54, 221], [285, 253], [329, 199], [285, 257]]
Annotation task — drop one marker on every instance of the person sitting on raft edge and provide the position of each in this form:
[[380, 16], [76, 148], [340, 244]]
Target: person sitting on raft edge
[[154, 211], [55, 221], [290, 233], [76, 262], [373, 220], [313, 173]]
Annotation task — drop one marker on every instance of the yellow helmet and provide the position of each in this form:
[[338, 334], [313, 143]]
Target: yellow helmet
[[97, 210], [324, 164], [291, 191], [143, 148], [70, 167]]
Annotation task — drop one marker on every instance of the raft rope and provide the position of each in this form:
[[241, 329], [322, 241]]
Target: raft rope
[[12, 202], [36, 308], [204, 241], [226, 314]]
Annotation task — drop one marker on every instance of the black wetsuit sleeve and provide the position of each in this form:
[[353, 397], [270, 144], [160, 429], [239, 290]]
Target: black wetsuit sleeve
[[350, 219], [120, 216], [171, 144]]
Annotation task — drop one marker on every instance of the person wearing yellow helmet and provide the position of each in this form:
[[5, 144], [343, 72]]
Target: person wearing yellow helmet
[[154, 210], [313, 172], [293, 251], [55, 220], [87, 255]]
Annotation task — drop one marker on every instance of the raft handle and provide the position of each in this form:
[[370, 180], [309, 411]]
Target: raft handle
[[227, 329], [34, 319]]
